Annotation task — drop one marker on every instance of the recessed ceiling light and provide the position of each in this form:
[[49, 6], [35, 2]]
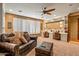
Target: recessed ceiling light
[[10, 10]]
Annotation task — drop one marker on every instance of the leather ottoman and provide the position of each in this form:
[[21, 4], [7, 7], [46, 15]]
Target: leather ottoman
[[45, 49]]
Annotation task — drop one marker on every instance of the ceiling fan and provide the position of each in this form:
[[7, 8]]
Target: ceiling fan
[[48, 12]]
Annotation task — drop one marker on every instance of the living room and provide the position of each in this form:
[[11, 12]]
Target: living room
[[47, 27]]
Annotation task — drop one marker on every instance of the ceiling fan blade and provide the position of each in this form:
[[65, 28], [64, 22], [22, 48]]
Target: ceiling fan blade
[[49, 10], [45, 8], [49, 13]]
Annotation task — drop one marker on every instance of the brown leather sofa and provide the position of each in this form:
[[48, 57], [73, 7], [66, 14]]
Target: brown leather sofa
[[17, 49]]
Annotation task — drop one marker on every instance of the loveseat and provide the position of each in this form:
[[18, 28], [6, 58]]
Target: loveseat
[[18, 47]]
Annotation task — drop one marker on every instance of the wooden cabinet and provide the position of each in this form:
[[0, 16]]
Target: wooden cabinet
[[56, 36], [46, 34], [73, 27]]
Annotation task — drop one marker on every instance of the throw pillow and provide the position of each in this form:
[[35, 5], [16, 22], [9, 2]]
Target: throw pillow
[[27, 37], [4, 38], [15, 40], [24, 41], [11, 34]]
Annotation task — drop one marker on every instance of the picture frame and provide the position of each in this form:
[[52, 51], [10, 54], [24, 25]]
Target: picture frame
[[9, 25]]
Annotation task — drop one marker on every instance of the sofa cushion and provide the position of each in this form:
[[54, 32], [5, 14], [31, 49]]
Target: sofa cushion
[[21, 37], [15, 40], [10, 39], [23, 40], [10, 34], [27, 37], [4, 37]]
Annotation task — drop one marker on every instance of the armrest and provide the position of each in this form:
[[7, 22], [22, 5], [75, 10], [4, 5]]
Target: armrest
[[18, 48], [14, 48], [8, 46]]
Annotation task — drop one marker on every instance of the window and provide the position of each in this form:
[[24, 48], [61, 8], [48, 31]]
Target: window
[[24, 25]]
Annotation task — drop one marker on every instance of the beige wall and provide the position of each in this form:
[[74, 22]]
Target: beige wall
[[8, 18]]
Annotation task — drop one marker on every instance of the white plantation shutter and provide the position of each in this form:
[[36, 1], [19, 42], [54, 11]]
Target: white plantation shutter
[[24, 25], [17, 25], [38, 27]]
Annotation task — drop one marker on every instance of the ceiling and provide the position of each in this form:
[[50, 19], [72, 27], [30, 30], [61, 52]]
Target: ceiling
[[34, 9]]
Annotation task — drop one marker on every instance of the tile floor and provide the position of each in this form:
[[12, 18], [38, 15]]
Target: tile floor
[[60, 48]]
